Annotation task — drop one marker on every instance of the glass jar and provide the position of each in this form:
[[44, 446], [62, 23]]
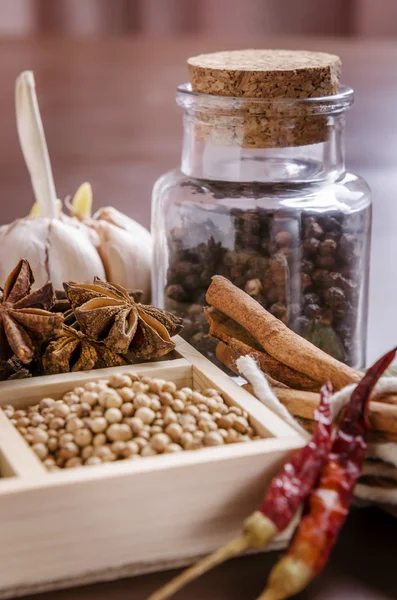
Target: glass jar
[[284, 221]]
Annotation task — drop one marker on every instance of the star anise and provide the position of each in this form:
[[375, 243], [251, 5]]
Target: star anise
[[106, 312], [13, 369], [24, 314], [71, 350]]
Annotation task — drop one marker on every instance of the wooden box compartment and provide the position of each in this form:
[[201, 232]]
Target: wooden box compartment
[[98, 523]]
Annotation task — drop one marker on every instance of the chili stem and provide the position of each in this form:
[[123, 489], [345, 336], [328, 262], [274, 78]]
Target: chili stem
[[230, 550]]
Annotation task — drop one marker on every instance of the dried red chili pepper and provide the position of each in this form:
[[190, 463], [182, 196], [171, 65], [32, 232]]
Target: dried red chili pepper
[[328, 504], [286, 492]]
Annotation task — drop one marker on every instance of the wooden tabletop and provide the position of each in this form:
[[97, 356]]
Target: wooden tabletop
[[110, 118]]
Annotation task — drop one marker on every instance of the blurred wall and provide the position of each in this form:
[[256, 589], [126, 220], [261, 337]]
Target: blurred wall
[[318, 17]]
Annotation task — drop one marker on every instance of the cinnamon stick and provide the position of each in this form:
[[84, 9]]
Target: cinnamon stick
[[383, 417], [242, 343], [275, 338], [227, 356]]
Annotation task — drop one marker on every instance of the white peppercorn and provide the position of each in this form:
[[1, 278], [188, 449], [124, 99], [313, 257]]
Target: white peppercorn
[[84, 410], [74, 462], [175, 431], [113, 415], [191, 409], [131, 448], [160, 441], [74, 424], [104, 453], [140, 442], [52, 444], [147, 415], [98, 424], [181, 396], [169, 386], [71, 399], [126, 394], [119, 381], [90, 386], [86, 452], [177, 405], [166, 398], [240, 424], [155, 404], [57, 423], [36, 420], [92, 461], [142, 400], [69, 450], [119, 432], [169, 416], [41, 450], [127, 409], [139, 387], [155, 429], [232, 436], [186, 439], [99, 440], [60, 409], [213, 439], [83, 437], [171, 448], [118, 447], [135, 423], [156, 385], [148, 451], [45, 403]]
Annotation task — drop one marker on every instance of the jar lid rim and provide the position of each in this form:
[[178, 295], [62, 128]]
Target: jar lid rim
[[187, 98]]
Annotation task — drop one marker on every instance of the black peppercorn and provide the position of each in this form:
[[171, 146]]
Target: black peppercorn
[[306, 282], [280, 311], [313, 229], [312, 311], [335, 297], [327, 247], [311, 299], [307, 266], [310, 245], [176, 292], [283, 239]]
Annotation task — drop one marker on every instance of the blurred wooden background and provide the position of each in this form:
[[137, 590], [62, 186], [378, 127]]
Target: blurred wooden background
[[306, 17]]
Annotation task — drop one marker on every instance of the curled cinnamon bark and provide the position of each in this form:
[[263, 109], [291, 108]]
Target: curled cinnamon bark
[[227, 356], [382, 417], [242, 343], [275, 338]]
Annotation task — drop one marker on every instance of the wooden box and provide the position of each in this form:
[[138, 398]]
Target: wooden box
[[65, 528]]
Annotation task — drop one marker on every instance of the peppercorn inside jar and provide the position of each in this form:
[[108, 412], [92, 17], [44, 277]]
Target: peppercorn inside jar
[[263, 199]]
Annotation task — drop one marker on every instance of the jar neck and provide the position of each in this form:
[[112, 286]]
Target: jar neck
[[211, 159], [276, 140]]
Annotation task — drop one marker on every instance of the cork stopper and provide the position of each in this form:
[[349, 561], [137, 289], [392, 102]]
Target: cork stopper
[[271, 75], [266, 73]]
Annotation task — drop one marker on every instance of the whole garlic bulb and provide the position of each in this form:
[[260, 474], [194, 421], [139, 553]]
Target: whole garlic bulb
[[58, 249], [125, 246]]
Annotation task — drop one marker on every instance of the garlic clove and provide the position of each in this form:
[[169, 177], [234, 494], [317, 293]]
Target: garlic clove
[[117, 218], [25, 238], [71, 254], [127, 258]]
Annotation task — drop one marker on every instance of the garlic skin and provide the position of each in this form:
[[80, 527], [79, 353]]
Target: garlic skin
[[56, 250]]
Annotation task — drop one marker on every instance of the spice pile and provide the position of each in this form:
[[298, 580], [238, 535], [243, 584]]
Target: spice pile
[[304, 268], [128, 416], [90, 326]]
